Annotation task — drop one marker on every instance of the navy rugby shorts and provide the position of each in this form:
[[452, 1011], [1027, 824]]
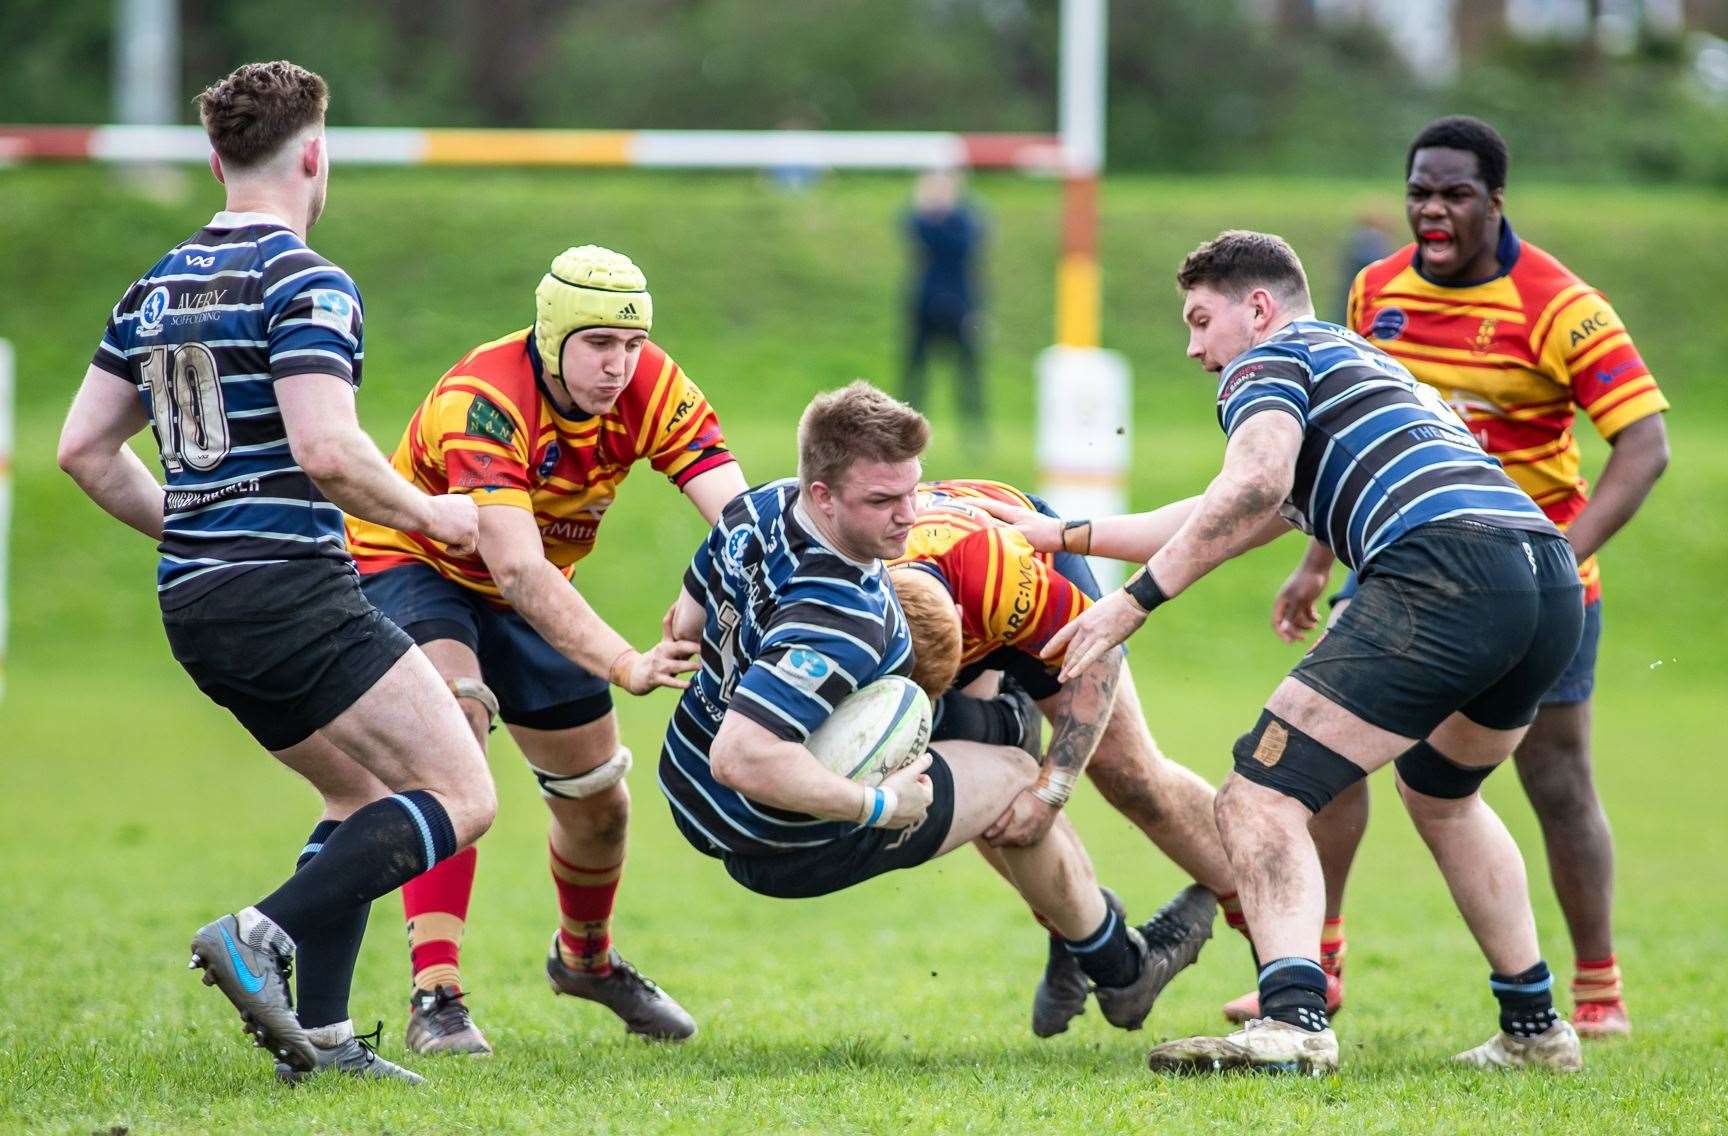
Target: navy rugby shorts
[[860, 855], [285, 647], [536, 685], [1455, 616]]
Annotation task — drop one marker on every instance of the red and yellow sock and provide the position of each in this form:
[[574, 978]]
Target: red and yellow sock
[[1231, 904], [436, 906], [585, 898], [1596, 981], [1333, 948]]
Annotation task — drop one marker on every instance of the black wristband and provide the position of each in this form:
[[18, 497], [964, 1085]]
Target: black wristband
[[1144, 591]]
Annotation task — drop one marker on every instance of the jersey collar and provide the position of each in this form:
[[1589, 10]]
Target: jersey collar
[[1506, 253], [227, 220], [541, 381]]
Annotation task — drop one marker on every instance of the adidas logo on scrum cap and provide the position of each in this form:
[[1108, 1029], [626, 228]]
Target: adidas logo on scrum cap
[[627, 312]]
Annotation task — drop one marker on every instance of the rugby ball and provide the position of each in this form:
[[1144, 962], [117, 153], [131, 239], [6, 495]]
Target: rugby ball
[[877, 729]]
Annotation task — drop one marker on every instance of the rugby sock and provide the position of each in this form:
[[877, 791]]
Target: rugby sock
[[1293, 990], [1333, 948], [327, 954], [585, 898], [1526, 1000], [330, 1036], [1231, 904], [436, 907], [375, 851], [1596, 981], [1107, 955], [993, 721]]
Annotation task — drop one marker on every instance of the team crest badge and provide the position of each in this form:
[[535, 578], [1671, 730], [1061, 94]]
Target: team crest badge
[[1484, 337], [548, 461], [151, 312], [1389, 323]]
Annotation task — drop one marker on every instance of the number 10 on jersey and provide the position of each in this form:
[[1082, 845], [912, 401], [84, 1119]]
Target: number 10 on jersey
[[186, 406]]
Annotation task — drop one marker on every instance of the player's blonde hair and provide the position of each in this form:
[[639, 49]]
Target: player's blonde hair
[[934, 625], [853, 424], [259, 107]]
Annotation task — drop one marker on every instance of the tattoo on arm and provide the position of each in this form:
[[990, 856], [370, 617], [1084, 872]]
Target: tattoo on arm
[[1086, 705]]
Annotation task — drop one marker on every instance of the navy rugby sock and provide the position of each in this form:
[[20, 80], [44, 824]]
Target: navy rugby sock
[[1106, 955], [328, 953], [993, 721], [1293, 990], [1526, 1000], [372, 853]]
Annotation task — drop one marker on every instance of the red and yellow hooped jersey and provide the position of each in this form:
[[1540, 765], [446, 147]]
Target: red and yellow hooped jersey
[[1515, 356], [487, 429], [1009, 595]]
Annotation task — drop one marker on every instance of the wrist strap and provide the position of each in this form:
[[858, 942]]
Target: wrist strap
[[1077, 537], [878, 807], [1144, 591], [1054, 787], [614, 673]]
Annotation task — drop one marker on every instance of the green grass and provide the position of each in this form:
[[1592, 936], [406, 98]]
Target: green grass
[[134, 810]]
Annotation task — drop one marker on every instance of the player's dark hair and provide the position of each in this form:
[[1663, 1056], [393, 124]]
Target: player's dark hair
[[1237, 261], [853, 424], [250, 114], [1461, 132]]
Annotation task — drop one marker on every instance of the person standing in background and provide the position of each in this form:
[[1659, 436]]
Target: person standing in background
[[947, 235]]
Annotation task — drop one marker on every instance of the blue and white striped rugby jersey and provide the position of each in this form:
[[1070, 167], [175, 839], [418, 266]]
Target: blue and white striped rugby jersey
[[1381, 453], [204, 335], [791, 628]]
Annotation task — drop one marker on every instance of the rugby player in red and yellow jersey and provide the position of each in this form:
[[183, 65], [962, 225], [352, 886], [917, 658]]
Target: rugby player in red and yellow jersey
[[540, 427], [1517, 344], [979, 599]]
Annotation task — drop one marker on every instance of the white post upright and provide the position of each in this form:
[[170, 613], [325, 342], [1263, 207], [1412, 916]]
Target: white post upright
[[1084, 406], [6, 388]]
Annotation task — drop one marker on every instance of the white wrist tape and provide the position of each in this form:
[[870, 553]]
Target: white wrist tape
[[878, 807], [596, 780], [1054, 787]]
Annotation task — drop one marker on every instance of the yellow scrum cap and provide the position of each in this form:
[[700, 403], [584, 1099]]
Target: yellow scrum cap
[[588, 286]]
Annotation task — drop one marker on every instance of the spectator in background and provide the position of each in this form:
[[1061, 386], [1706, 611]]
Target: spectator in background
[[1370, 239], [946, 234]]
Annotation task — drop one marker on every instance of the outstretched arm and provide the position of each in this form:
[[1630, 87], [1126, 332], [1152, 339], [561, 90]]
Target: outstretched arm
[[1238, 511], [514, 553]]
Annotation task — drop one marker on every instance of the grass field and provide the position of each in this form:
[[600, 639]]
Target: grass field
[[134, 811]]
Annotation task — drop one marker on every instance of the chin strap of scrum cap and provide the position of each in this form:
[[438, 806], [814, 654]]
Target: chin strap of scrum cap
[[596, 780], [473, 688]]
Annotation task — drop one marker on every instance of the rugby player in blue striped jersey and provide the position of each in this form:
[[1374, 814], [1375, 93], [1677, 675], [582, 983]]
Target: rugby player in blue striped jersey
[[1469, 607], [241, 348], [794, 609]]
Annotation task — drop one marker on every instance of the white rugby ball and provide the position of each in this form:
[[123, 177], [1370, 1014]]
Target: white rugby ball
[[877, 729]]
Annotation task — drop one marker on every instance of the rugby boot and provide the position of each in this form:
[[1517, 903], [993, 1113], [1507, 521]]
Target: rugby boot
[[1061, 993], [353, 1056], [1262, 1045], [256, 981], [1594, 1020], [1555, 1048], [646, 1010], [1167, 943], [439, 1022], [1248, 1006]]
